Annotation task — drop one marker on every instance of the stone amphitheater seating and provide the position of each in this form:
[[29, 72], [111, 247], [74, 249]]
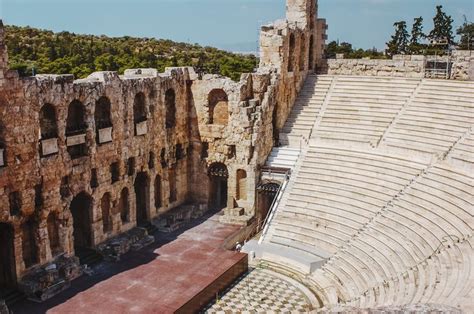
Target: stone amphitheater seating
[[438, 115], [394, 228], [336, 192], [361, 109]]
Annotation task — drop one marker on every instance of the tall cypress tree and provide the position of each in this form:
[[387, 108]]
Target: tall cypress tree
[[443, 28], [416, 47], [399, 41]]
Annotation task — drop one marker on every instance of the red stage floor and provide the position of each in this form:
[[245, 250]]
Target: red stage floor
[[169, 277]]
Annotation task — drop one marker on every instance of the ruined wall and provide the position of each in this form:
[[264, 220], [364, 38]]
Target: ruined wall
[[414, 66], [289, 47], [146, 143], [47, 185]]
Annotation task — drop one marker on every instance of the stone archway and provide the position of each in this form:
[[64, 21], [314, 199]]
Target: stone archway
[[218, 107], [141, 186], [218, 175], [7, 257], [81, 207]]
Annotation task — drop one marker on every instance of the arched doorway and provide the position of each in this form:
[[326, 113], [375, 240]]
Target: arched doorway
[[7, 257], [81, 212], [218, 175], [266, 194], [141, 197], [124, 206]]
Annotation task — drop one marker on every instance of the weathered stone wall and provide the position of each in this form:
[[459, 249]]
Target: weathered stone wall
[[463, 65], [26, 168], [404, 66], [167, 147]]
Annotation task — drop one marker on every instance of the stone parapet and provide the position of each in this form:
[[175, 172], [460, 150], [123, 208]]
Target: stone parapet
[[459, 65]]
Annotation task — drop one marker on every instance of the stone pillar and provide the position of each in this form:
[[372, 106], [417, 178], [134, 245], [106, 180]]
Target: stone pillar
[[42, 243]]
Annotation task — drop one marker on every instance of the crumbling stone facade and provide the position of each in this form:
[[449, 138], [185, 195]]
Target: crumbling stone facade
[[84, 161]]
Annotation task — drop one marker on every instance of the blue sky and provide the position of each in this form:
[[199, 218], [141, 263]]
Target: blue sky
[[229, 24]]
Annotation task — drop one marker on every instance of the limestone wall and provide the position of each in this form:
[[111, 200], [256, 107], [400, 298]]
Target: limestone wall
[[48, 184], [415, 66]]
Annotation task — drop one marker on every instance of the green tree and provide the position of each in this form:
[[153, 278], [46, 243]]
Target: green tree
[[399, 41], [442, 32], [466, 31], [65, 52], [416, 47]]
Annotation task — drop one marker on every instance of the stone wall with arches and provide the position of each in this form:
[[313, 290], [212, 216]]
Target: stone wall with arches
[[83, 161]]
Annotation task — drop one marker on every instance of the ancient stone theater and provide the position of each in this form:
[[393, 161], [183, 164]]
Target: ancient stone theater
[[346, 185]]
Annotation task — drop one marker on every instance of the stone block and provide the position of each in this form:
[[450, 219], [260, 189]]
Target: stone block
[[105, 135], [76, 140], [141, 128], [44, 282], [234, 212], [49, 146], [2, 154]]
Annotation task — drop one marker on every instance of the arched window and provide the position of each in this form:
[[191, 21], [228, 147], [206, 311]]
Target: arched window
[[106, 218], [75, 130], [158, 192], [124, 206], [291, 54], [302, 53], [311, 53], [53, 235], [29, 246], [139, 108], [170, 107], [76, 119], [102, 113], [48, 123], [241, 185], [218, 107]]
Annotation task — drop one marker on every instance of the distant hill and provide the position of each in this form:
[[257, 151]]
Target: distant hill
[[33, 50]]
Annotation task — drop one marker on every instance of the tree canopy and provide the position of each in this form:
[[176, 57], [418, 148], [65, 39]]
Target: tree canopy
[[34, 51], [443, 28], [398, 44], [345, 48], [466, 31]]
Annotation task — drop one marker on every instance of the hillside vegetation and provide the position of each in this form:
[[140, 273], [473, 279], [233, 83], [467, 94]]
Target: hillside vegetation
[[33, 50]]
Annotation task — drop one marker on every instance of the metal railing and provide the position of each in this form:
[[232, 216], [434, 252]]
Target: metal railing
[[273, 207]]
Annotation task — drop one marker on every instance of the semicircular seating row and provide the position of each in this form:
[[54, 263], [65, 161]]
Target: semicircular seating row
[[399, 230]]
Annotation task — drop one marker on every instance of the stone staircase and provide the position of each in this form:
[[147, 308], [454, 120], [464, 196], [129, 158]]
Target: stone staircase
[[305, 111], [283, 157]]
